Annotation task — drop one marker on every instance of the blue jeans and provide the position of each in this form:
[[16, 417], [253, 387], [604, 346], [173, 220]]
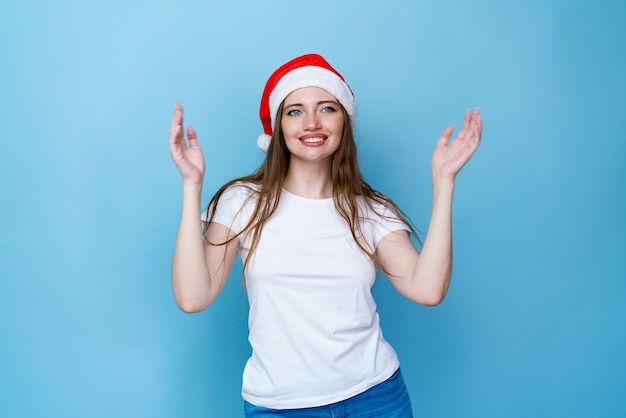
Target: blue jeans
[[388, 399]]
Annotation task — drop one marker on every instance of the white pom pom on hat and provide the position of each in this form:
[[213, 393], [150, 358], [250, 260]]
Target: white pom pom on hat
[[310, 70], [263, 141]]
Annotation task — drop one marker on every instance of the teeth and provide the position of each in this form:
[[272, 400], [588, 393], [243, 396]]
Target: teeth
[[312, 140]]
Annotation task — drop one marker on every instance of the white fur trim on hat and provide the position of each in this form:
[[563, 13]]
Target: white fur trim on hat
[[312, 76]]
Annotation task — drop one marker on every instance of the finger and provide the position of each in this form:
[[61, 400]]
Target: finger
[[176, 136], [177, 118], [475, 135], [476, 125], [192, 137], [467, 118], [445, 136], [479, 121], [177, 144]]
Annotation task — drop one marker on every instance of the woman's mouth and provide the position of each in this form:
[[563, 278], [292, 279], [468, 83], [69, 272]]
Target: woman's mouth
[[313, 139]]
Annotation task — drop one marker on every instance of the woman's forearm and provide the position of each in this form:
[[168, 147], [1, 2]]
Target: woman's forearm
[[434, 265], [190, 275]]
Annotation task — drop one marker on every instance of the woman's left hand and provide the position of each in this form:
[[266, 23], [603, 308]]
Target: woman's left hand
[[450, 157]]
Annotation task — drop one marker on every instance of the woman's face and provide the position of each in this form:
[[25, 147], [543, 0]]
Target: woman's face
[[312, 124]]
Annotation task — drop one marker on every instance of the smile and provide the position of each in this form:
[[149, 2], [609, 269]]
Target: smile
[[313, 139]]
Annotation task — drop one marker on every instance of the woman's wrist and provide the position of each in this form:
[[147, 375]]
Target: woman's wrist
[[443, 183], [192, 187]]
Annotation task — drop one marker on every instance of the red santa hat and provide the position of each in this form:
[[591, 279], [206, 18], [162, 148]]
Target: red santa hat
[[310, 70]]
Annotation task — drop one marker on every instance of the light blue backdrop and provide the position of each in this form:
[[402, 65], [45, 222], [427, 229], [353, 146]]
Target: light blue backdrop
[[534, 324]]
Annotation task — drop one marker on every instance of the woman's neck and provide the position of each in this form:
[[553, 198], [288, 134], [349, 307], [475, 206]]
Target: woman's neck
[[311, 181]]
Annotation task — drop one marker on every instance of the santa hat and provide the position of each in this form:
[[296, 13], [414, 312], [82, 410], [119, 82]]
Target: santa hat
[[310, 70]]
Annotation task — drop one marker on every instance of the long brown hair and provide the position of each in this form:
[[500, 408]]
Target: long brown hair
[[266, 184]]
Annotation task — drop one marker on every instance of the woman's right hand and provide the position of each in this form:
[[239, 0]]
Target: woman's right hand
[[187, 157]]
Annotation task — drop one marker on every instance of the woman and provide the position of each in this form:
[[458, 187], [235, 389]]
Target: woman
[[311, 233]]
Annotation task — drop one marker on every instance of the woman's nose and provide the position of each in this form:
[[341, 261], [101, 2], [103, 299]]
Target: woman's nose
[[312, 120]]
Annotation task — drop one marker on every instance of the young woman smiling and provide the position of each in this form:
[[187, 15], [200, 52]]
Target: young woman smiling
[[311, 233]]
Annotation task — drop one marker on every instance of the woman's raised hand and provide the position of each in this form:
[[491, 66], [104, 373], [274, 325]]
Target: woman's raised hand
[[187, 156], [450, 157]]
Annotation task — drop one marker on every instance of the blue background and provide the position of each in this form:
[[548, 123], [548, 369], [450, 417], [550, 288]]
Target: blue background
[[534, 324]]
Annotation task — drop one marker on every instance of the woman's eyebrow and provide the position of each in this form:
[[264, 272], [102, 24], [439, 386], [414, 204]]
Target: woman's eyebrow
[[321, 102], [328, 101]]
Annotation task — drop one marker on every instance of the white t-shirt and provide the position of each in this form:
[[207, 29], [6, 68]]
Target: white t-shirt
[[314, 329]]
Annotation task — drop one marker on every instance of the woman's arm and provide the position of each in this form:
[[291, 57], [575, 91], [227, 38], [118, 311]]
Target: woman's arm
[[424, 278], [199, 269]]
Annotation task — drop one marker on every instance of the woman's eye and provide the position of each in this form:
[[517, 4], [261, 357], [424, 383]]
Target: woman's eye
[[328, 109], [294, 112]]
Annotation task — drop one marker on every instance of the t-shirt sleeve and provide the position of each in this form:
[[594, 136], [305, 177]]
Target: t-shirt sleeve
[[232, 210], [384, 222]]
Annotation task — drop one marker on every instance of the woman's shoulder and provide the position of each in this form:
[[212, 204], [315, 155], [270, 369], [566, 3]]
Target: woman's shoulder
[[232, 200], [240, 189], [377, 204]]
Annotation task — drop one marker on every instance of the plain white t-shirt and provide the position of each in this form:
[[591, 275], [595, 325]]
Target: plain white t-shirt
[[314, 329]]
